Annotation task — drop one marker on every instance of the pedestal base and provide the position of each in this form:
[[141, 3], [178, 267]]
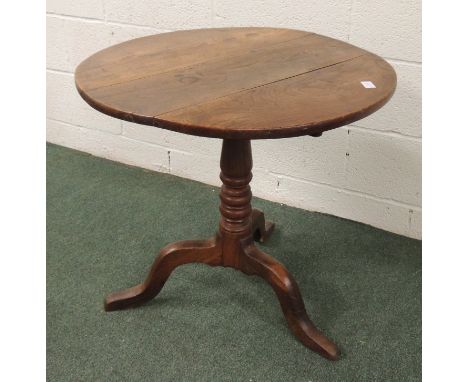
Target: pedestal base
[[233, 246]]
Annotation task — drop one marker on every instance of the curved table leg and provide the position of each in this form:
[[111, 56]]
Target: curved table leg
[[261, 228], [170, 257], [259, 263]]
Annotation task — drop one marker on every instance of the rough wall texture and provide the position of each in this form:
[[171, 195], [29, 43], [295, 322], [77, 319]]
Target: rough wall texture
[[369, 171]]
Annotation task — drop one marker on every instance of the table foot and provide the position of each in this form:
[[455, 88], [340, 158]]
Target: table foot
[[170, 257], [259, 263], [261, 228]]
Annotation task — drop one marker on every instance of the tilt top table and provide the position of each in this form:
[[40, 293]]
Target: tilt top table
[[236, 84]]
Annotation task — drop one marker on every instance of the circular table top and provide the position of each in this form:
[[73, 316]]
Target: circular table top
[[239, 83]]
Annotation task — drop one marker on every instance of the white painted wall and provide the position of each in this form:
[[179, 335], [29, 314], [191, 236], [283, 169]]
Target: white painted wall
[[369, 171]]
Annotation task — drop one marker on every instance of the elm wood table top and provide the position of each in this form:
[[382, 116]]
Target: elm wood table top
[[239, 83], [236, 84]]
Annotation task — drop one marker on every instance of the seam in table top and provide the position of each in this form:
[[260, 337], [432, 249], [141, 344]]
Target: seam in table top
[[214, 59], [259, 86]]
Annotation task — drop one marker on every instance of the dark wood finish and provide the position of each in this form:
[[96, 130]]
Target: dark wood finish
[[261, 228], [259, 263], [233, 246], [236, 83], [170, 257]]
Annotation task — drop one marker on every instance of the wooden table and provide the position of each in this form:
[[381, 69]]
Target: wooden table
[[236, 84]]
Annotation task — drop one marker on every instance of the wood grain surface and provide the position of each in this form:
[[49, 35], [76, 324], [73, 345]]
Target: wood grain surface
[[236, 83]]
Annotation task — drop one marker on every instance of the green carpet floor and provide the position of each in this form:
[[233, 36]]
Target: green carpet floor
[[106, 221]]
